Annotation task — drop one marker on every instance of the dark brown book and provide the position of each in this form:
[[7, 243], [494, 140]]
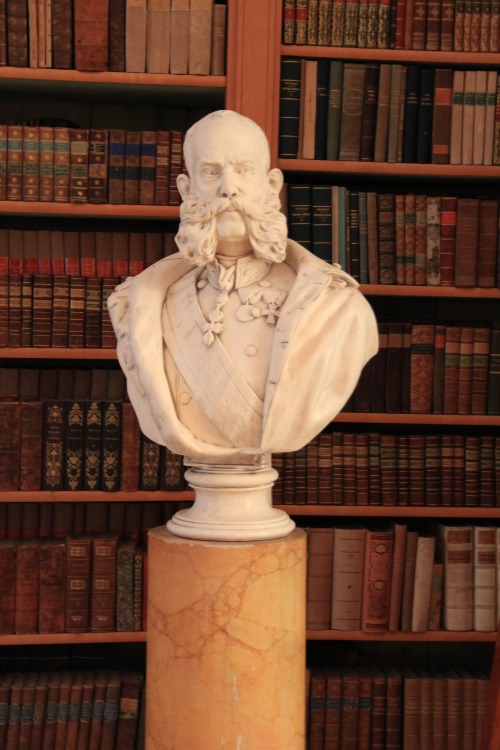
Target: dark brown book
[[441, 116], [15, 309], [92, 445], [117, 17], [125, 586], [53, 446], [108, 337], [487, 243], [31, 163], [14, 711], [78, 566], [171, 471], [61, 723], [132, 166], [136, 252], [39, 710], [42, 309], [74, 444], [30, 448], [116, 174], [320, 545], [17, 33], [27, 586], [176, 140], [162, 174], [140, 589], [111, 445], [467, 242], [76, 321], [128, 710], [87, 699], [8, 556], [3, 34], [93, 312], [26, 310], [14, 162], [4, 309], [369, 114], [74, 711], [79, 165], [103, 584], [147, 167], [52, 592], [91, 35], [62, 34], [149, 473], [352, 110], [98, 165], [60, 311], [129, 475], [61, 164], [422, 364], [110, 714]]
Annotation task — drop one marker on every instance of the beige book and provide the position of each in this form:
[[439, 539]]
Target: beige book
[[218, 45], [307, 114], [135, 36], [158, 36], [489, 120], [383, 109], [347, 585], [457, 110], [484, 564], [423, 582], [454, 549], [179, 36], [48, 33], [200, 37], [479, 117], [33, 32], [468, 116]]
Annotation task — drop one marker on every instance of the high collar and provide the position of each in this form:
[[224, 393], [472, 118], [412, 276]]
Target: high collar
[[225, 275]]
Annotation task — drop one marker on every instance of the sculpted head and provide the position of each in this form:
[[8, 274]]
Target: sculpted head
[[231, 197]]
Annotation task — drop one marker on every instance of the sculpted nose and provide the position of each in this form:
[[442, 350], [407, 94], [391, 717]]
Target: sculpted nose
[[228, 187]]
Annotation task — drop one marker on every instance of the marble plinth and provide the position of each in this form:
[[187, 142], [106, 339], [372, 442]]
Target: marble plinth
[[226, 643]]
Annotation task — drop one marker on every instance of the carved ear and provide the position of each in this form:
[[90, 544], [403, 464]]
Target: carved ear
[[183, 185], [275, 179]]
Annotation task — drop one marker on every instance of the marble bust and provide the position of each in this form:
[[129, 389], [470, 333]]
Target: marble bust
[[243, 343]]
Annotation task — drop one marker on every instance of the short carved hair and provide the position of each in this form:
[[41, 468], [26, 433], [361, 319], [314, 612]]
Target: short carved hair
[[227, 116]]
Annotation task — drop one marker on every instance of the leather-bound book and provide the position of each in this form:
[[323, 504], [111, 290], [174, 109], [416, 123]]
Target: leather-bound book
[[57, 253], [425, 109], [52, 704], [484, 545], [111, 445], [433, 254], [88, 263], [162, 172], [480, 352], [487, 243], [299, 214], [87, 697], [117, 13], [79, 165], [103, 584], [350, 705], [465, 369], [93, 311], [108, 337], [76, 325], [348, 563], [125, 586], [447, 241], [3, 33], [116, 174], [416, 462], [316, 708], [200, 26], [154, 248], [30, 450], [31, 163], [149, 477], [397, 574], [129, 475], [325, 469], [128, 710], [386, 220], [17, 33], [179, 36], [61, 722], [132, 166], [52, 594], [42, 309], [8, 556], [15, 313], [39, 710], [411, 110], [423, 582], [467, 242], [14, 708], [307, 473], [454, 549], [438, 374], [479, 118], [494, 372], [92, 446], [457, 105], [369, 114], [4, 310], [320, 545], [334, 109], [61, 164], [104, 254], [100, 682], [396, 93], [352, 109], [74, 444], [62, 34], [78, 566], [158, 36], [3, 155], [441, 116], [74, 710], [26, 310], [176, 140], [120, 254], [91, 35], [171, 471], [147, 167], [60, 311], [14, 161], [471, 470], [98, 165], [489, 118], [422, 364], [137, 252], [27, 586], [110, 714], [71, 242], [218, 42], [53, 446], [135, 36], [322, 93], [140, 589], [393, 365], [408, 580]]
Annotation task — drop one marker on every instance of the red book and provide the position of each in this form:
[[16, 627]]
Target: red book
[[88, 264], [422, 365], [465, 370], [30, 449], [103, 584], [162, 175], [129, 480], [377, 579], [480, 357], [8, 557], [27, 571], [91, 35], [78, 565], [448, 238], [9, 445], [128, 710], [176, 140], [467, 242], [137, 252], [31, 163], [104, 253]]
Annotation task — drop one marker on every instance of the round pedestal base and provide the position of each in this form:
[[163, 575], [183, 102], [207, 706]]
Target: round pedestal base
[[231, 504]]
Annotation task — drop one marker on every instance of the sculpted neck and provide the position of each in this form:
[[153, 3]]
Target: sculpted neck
[[234, 248]]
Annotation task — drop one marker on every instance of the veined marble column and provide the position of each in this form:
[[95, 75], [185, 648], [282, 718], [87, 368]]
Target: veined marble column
[[226, 643]]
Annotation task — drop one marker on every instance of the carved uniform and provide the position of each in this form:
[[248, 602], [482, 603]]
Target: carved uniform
[[227, 363]]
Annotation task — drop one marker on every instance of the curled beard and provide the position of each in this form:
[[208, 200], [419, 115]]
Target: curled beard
[[197, 235]]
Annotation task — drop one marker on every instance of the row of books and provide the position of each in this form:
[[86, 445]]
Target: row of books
[[399, 238], [89, 583], [80, 165], [85, 253], [368, 706], [173, 36], [427, 368], [446, 25], [394, 577], [72, 709], [81, 444], [359, 468], [128, 520], [351, 111]]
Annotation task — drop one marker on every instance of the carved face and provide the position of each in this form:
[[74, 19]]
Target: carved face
[[228, 161]]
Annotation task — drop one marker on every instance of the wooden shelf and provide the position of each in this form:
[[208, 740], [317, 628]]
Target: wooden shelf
[[391, 511], [36, 639], [111, 77], [383, 169], [89, 210], [466, 420], [81, 496], [57, 353], [461, 59], [430, 636], [407, 290]]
